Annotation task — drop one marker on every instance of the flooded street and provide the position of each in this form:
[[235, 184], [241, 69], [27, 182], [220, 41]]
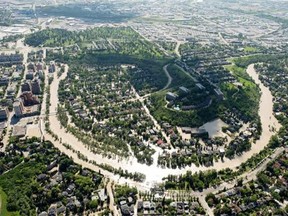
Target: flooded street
[[214, 128], [155, 173]]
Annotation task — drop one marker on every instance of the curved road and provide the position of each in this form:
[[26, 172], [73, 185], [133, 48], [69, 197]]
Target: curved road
[[168, 76], [154, 173], [176, 51], [247, 177]]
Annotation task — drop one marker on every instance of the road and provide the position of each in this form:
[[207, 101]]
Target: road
[[154, 42], [43, 105], [223, 39], [176, 51], [23, 50], [112, 205], [168, 76], [156, 124], [188, 74], [154, 172], [247, 177], [61, 133]]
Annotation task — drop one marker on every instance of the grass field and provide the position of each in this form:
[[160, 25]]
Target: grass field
[[250, 49], [246, 100], [179, 78], [3, 204], [241, 75]]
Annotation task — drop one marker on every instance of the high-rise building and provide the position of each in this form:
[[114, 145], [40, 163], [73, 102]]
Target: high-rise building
[[18, 108], [36, 88]]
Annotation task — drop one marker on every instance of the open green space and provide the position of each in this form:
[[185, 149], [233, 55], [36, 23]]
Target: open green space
[[180, 118], [151, 77], [251, 49], [17, 183], [26, 185], [162, 113], [244, 98], [179, 77], [251, 59], [3, 205], [120, 40], [107, 46]]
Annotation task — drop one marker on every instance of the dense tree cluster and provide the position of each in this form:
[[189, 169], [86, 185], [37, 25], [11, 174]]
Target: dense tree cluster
[[28, 180]]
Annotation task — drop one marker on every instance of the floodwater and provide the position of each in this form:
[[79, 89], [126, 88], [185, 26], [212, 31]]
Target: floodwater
[[214, 128], [154, 173]]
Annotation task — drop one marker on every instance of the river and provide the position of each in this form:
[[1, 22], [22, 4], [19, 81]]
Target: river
[[154, 173]]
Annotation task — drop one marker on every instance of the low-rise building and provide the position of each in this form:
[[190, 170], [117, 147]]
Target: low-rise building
[[184, 90], [11, 90], [200, 86], [39, 67], [4, 113], [195, 132], [19, 131], [11, 59], [4, 81], [31, 110], [16, 76], [52, 67], [26, 86], [18, 108], [102, 195], [36, 88], [30, 75], [29, 99], [171, 96], [219, 94]]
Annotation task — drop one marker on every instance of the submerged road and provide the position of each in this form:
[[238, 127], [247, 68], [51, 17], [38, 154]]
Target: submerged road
[[155, 173]]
